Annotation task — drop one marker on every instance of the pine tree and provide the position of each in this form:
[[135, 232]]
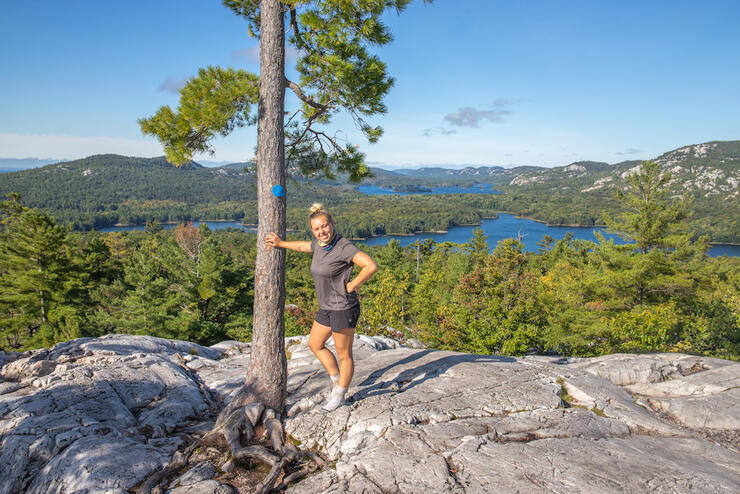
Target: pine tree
[[477, 246], [651, 220], [337, 72], [33, 265]]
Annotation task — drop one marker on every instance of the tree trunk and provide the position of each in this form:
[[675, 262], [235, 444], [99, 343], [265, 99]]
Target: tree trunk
[[267, 373]]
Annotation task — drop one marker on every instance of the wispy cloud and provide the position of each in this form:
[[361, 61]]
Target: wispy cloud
[[503, 102], [173, 84], [628, 151], [251, 55], [470, 117], [438, 131], [73, 147]]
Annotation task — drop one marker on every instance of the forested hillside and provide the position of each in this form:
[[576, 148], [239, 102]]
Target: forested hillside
[[573, 297], [105, 190]]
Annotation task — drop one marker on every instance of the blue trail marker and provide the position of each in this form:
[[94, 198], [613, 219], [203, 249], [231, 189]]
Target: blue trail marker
[[278, 190]]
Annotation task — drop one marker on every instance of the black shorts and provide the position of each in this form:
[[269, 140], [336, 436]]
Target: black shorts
[[339, 319]]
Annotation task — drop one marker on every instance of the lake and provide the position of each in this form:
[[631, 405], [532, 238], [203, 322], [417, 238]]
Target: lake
[[375, 190], [506, 226]]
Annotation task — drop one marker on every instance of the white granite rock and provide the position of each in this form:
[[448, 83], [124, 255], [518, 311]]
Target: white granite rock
[[100, 415], [425, 421], [701, 393], [101, 420]]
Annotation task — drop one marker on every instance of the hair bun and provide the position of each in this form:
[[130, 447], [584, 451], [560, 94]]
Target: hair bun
[[315, 208]]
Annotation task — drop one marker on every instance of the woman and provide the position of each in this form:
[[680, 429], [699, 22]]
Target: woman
[[339, 306]]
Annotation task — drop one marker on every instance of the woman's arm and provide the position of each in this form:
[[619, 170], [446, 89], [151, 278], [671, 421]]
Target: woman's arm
[[368, 269], [272, 240]]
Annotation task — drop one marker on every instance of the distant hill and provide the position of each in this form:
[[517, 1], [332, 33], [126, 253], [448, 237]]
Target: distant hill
[[117, 179], [109, 189], [237, 166], [703, 170], [435, 172], [106, 189], [578, 193]]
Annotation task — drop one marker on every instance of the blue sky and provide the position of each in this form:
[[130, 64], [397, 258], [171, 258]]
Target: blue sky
[[477, 82]]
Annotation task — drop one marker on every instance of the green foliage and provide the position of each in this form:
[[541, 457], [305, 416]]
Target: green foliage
[[478, 246], [32, 269], [214, 103], [337, 73], [645, 328], [55, 285], [432, 298], [385, 313], [181, 284], [649, 219], [573, 298], [496, 303], [44, 278], [578, 298], [101, 191]]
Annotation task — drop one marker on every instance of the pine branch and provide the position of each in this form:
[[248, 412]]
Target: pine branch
[[302, 96], [296, 31]]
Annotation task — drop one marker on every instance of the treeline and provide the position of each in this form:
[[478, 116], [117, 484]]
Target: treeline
[[57, 285], [718, 218], [573, 297], [101, 191], [364, 216]]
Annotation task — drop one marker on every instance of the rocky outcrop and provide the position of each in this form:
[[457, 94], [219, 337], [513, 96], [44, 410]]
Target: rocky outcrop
[[450, 422], [99, 415]]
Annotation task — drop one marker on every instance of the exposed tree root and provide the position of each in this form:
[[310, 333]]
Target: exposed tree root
[[152, 484], [262, 433], [293, 477]]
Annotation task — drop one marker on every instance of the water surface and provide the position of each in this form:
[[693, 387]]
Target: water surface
[[376, 190], [531, 232], [506, 226]]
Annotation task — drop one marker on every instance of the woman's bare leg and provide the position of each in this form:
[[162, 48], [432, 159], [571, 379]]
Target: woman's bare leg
[[343, 340], [316, 342]]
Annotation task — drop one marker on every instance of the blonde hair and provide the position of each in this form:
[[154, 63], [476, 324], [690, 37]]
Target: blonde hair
[[318, 210]]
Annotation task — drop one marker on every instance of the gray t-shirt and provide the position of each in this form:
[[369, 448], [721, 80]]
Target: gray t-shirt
[[331, 272]]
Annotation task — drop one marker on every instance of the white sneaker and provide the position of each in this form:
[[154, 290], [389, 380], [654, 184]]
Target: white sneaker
[[336, 399]]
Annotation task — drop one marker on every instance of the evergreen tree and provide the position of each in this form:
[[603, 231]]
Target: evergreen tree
[[650, 220], [33, 267], [431, 302], [337, 72], [477, 246]]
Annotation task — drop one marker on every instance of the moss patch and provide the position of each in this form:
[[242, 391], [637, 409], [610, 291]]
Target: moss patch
[[566, 400], [598, 411]]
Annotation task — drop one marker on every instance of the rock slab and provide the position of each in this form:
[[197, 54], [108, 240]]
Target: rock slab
[[100, 415]]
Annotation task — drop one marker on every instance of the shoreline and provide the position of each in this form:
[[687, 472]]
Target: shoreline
[[399, 234], [178, 222], [569, 225], [575, 225], [421, 232], [725, 243]]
